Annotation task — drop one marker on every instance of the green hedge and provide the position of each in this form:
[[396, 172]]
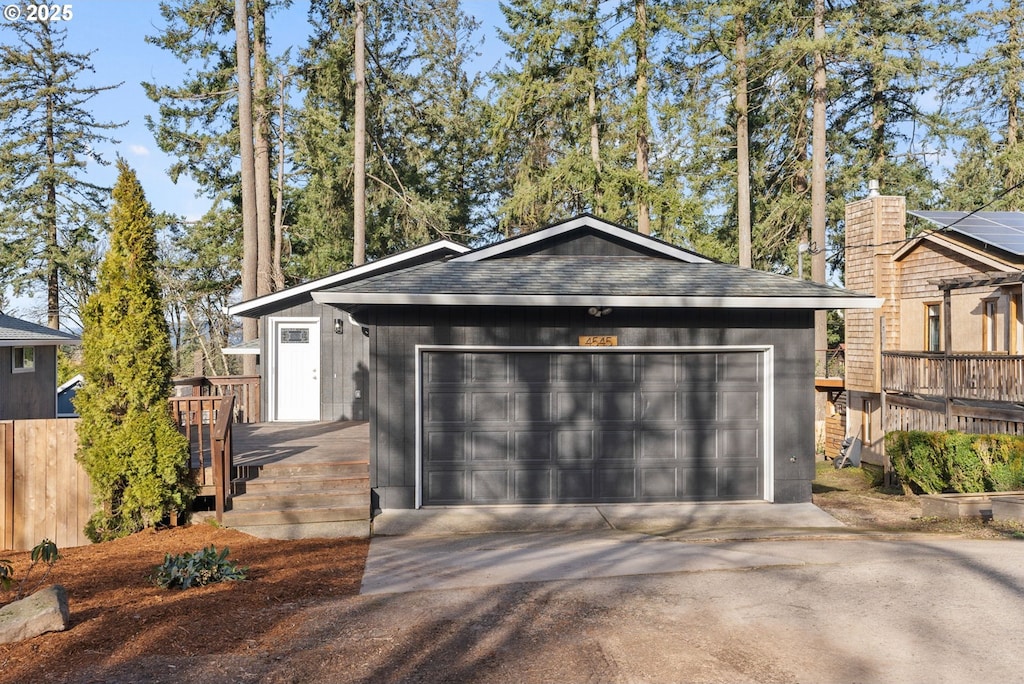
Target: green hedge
[[934, 462]]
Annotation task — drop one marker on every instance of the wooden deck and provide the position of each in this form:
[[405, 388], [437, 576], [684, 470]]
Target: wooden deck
[[259, 444]]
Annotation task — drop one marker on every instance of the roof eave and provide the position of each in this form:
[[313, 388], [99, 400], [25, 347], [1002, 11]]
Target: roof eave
[[355, 273], [624, 301]]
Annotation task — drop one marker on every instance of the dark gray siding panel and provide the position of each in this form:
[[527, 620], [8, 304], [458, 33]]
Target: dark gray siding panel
[[344, 362], [396, 331], [29, 395], [591, 244]]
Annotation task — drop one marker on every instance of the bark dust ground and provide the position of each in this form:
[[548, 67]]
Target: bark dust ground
[[301, 594]]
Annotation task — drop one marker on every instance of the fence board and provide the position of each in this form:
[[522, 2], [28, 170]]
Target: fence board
[[7, 485], [46, 493]]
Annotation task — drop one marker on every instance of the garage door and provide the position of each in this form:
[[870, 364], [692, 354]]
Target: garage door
[[585, 427]]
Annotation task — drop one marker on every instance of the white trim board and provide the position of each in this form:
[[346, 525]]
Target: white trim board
[[622, 301]]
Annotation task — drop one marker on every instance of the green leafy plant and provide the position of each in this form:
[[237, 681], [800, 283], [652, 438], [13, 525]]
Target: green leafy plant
[[45, 552], [205, 566], [933, 462]]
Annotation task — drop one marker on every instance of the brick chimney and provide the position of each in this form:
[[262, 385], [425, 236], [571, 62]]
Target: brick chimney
[[875, 229]]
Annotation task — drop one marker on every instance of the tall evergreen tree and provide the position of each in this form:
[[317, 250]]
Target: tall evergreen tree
[[988, 86], [130, 447], [423, 167], [51, 212]]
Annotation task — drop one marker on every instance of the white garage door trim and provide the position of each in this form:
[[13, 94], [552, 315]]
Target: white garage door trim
[[769, 391]]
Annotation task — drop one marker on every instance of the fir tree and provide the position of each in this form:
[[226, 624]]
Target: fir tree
[[137, 460], [50, 211]]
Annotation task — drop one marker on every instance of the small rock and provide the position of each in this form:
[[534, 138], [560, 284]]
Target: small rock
[[42, 612]]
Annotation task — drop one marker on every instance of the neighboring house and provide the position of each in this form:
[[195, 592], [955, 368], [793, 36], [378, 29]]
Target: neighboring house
[[314, 357], [580, 363], [66, 397], [953, 331], [28, 368]]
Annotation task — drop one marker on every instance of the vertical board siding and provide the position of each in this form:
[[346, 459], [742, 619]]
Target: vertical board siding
[[344, 361], [46, 493], [397, 330]]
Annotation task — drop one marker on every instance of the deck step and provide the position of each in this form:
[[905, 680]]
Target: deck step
[[303, 484], [282, 501], [289, 500], [286, 469]]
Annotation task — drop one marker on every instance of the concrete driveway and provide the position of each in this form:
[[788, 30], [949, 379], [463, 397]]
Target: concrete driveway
[[615, 605]]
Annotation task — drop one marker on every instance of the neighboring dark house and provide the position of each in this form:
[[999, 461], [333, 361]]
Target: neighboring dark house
[[580, 363], [313, 357], [28, 368]]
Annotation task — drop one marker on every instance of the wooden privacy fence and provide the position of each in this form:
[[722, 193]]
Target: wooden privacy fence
[[45, 492]]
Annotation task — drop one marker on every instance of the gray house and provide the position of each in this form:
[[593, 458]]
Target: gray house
[[28, 368], [580, 363], [314, 357]]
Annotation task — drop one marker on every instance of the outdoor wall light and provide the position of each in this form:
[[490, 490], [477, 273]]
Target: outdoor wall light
[[339, 326], [598, 311]]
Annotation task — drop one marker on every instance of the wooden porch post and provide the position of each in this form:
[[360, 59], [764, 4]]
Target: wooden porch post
[[947, 344]]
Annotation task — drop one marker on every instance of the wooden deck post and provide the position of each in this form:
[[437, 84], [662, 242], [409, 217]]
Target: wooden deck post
[[947, 349]]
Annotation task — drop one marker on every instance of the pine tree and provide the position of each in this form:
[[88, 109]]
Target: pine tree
[[423, 154], [137, 460], [50, 213], [990, 162]]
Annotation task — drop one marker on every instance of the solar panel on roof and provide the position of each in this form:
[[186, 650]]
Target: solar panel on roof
[[1002, 229]]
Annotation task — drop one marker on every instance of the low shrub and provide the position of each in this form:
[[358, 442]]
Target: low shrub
[[205, 566], [934, 462], [45, 552]]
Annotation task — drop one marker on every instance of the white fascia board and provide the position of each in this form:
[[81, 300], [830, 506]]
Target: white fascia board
[[581, 222], [355, 273], [40, 343], [682, 302]]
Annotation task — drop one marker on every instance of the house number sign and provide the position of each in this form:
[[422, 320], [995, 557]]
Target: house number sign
[[599, 341]]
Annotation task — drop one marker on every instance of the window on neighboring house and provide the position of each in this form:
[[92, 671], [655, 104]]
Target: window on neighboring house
[[933, 327], [990, 333], [23, 359]]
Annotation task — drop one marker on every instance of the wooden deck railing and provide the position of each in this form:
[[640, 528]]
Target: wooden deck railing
[[245, 389], [206, 421], [986, 377]]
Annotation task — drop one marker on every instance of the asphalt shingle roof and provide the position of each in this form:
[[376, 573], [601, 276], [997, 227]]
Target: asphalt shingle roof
[[17, 330], [590, 275]]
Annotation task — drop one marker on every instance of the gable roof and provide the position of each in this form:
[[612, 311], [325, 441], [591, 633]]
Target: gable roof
[[588, 281], [283, 298], [1000, 229], [639, 243], [15, 332], [518, 272]]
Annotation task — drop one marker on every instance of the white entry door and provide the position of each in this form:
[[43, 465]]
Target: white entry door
[[297, 361]]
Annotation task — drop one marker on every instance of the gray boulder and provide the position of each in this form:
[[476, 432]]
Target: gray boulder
[[42, 612]]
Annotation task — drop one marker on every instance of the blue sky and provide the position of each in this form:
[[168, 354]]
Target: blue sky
[[114, 31]]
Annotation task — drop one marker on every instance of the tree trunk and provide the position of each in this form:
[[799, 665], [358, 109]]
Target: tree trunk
[[50, 207], [818, 197], [250, 328], [278, 270], [643, 146], [261, 148], [359, 172], [742, 146]]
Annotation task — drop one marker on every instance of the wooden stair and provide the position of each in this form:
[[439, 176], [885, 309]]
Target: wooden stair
[[301, 500]]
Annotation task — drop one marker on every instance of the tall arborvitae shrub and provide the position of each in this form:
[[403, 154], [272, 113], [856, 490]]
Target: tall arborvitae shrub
[[137, 460]]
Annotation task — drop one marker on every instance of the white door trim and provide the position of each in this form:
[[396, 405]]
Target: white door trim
[[273, 324], [768, 386]]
